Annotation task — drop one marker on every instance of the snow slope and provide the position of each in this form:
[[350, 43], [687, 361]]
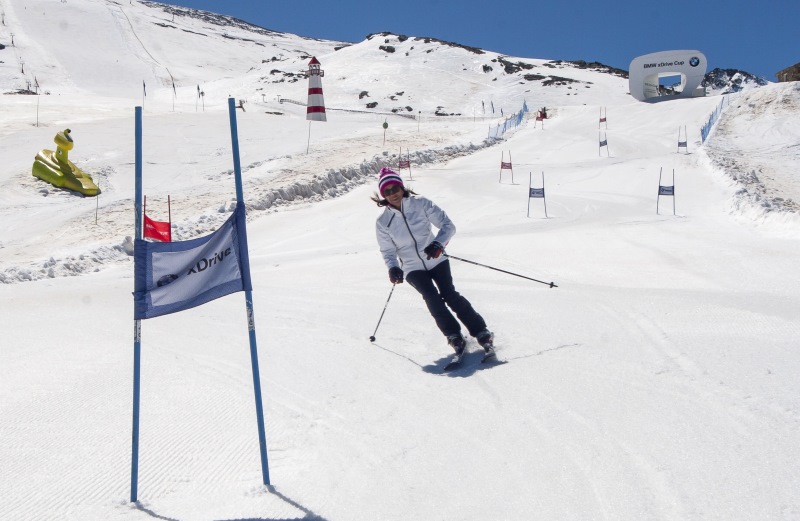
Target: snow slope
[[658, 381]]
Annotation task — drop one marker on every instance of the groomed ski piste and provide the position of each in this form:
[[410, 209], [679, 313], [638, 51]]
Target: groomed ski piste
[[657, 381]]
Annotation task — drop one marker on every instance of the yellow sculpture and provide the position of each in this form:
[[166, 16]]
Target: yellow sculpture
[[58, 170]]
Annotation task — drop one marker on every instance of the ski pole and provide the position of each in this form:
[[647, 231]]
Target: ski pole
[[551, 284], [372, 338]]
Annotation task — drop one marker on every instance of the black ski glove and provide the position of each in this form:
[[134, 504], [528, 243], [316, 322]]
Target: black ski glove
[[395, 275], [433, 250]]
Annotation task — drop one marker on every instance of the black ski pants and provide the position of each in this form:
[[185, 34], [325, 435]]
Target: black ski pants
[[436, 287]]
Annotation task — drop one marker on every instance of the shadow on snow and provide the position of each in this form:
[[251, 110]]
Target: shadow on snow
[[308, 515]]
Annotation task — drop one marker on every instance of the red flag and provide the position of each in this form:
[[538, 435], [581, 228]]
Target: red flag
[[158, 230]]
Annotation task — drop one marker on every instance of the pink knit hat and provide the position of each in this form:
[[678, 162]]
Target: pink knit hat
[[387, 178]]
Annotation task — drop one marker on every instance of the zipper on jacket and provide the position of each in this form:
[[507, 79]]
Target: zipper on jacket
[[416, 245]]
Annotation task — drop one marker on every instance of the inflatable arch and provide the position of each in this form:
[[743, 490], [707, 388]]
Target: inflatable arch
[[645, 72]]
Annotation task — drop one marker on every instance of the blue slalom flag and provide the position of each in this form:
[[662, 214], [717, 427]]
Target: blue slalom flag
[[175, 276], [144, 88], [536, 192], [666, 190], [604, 143]]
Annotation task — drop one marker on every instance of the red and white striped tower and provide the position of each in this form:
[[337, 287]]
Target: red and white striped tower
[[315, 110]]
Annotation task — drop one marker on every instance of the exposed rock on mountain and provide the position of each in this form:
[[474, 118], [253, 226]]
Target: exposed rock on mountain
[[725, 81]]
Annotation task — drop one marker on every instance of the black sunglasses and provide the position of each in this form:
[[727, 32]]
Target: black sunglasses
[[392, 189]]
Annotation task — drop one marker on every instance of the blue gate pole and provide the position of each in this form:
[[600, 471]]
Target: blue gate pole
[[673, 191], [137, 324], [248, 297], [544, 197], [530, 178], [659, 188]]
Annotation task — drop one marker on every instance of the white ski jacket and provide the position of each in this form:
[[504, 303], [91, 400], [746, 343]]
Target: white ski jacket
[[403, 234]]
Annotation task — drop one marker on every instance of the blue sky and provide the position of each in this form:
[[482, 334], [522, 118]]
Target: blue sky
[[757, 37]]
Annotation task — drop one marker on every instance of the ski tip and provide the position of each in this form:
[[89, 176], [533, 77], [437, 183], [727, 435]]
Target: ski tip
[[493, 360]]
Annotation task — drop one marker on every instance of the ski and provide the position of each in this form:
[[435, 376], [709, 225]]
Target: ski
[[489, 358], [454, 363], [491, 361]]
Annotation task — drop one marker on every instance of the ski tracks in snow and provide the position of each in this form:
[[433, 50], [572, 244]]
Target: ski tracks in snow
[[673, 400]]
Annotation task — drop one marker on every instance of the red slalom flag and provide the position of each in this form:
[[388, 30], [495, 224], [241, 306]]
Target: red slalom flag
[[157, 230]]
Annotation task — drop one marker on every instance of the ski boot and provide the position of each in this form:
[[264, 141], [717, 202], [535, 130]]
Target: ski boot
[[459, 345], [486, 340]]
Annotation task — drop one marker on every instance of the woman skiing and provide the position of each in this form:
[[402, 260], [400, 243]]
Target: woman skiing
[[409, 247]]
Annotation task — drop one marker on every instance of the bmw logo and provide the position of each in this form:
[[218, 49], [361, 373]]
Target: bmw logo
[[694, 61], [166, 279]]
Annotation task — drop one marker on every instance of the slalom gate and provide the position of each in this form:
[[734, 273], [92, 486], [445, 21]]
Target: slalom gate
[[603, 143], [405, 163], [506, 165], [536, 193], [685, 143], [170, 277], [666, 190]]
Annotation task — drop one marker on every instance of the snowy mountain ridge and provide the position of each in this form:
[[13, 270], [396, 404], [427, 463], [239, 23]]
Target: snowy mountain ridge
[[728, 81], [261, 57]]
